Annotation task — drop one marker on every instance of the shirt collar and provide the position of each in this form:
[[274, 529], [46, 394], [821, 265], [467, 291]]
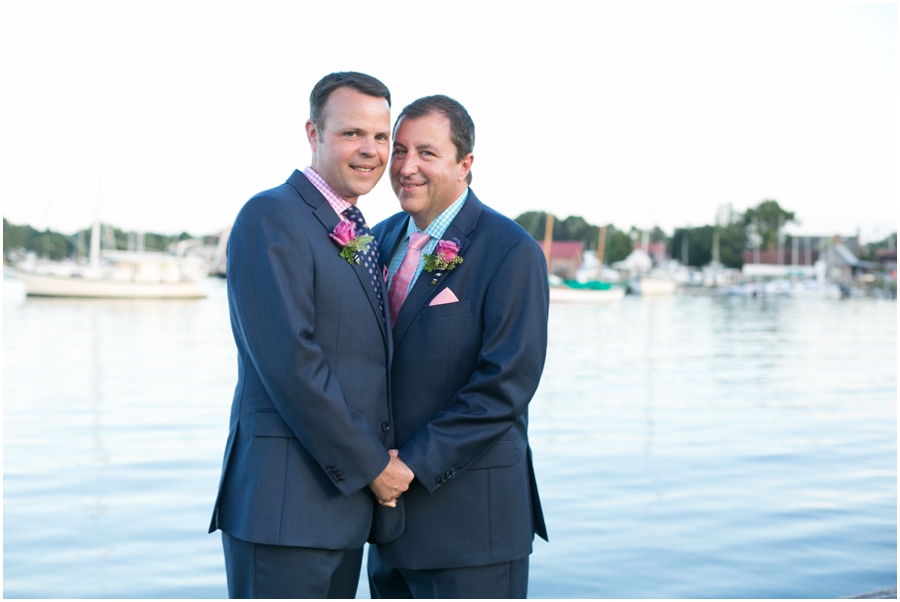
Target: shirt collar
[[337, 203], [440, 224]]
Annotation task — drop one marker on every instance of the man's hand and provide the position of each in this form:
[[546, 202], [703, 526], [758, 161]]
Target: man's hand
[[392, 481]]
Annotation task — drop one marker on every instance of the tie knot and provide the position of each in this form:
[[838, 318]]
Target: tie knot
[[353, 213], [417, 240]]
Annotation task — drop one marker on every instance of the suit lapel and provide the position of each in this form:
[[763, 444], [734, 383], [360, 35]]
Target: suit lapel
[[430, 283], [388, 245], [328, 217]]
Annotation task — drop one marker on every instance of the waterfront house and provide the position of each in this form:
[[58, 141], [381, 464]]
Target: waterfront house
[[565, 257], [841, 266], [887, 258], [799, 259]]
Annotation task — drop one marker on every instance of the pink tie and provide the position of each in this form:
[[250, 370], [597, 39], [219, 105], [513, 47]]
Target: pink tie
[[400, 283]]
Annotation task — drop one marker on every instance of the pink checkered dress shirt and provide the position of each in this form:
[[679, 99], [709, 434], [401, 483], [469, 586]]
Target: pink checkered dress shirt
[[336, 202]]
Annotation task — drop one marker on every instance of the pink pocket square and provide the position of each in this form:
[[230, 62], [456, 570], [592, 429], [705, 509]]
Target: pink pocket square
[[444, 297]]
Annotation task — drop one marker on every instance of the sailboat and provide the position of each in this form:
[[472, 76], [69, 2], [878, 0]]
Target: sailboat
[[116, 274], [113, 273], [573, 291], [649, 282]]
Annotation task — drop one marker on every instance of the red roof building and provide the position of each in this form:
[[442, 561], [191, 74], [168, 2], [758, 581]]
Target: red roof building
[[565, 257]]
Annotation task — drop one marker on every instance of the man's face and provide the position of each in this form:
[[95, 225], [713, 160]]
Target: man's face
[[355, 139], [425, 174]]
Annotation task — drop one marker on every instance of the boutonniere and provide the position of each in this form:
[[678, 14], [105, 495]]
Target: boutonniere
[[444, 259], [352, 246]]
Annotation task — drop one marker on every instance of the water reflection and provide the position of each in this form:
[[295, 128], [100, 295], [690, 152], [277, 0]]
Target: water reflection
[[685, 447]]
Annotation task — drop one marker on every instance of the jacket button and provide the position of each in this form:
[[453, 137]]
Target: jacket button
[[438, 483], [385, 426], [340, 479], [452, 471], [330, 467]]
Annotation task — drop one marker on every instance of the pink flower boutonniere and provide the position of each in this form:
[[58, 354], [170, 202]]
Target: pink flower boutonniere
[[352, 246], [444, 259]]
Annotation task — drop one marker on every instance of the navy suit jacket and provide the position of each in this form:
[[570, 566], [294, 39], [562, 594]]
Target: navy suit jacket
[[309, 427], [462, 376]]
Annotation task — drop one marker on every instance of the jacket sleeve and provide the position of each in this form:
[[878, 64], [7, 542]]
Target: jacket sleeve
[[509, 366], [271, 275]]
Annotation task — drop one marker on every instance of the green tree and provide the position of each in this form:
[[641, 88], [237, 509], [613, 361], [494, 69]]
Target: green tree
[[47, 244], [54, 245], [766, 221], [535, 222], [870, 250], [576, 228], [698, 242], [14, 237], [618, 245], [732, 243], [733, 236]]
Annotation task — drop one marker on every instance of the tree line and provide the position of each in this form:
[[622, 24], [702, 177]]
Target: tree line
[[55, 245], [733, 233]]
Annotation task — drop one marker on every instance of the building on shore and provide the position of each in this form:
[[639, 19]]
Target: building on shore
[[565, 257], [842, 266], [829, 260]]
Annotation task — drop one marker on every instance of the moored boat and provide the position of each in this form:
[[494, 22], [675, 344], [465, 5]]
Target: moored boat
[[649, 286], [591, 292], [115, 274], [123, 275]]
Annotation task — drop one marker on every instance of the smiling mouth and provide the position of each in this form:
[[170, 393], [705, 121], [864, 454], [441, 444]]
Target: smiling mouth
[[364, 169]]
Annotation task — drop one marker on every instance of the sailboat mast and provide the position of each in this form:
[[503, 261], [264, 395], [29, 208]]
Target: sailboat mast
[[548, 238], [95, 243], [95, 229], [601, 246]]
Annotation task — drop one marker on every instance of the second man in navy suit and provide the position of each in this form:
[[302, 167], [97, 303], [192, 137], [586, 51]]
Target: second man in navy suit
[[468, 296]]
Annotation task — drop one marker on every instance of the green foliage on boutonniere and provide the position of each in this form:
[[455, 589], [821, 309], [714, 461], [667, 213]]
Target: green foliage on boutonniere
[[445, 257], [352, 246], [355, 248]]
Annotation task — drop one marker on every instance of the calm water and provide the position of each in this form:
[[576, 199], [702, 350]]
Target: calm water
[[685, 447]]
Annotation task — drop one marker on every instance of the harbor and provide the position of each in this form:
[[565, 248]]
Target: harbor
[[686, 446], [714, 191]]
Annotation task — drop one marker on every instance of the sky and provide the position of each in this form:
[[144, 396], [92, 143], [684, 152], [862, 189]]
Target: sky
[[167, 116]]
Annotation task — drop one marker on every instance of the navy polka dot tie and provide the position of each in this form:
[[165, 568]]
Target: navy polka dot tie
[[369, 259]]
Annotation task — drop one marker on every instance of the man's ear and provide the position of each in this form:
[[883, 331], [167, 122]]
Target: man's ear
[[465, 166], [312, 134]]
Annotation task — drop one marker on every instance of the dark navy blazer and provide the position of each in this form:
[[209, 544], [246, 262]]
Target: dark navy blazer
[[462, 376], [310, 419]]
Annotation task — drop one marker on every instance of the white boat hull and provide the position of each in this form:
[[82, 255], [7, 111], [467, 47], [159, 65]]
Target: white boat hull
[[564, 294], [49, 285], [653, 286]]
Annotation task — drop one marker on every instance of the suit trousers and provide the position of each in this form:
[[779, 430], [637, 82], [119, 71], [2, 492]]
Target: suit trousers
[[502, 580], [256, 570]]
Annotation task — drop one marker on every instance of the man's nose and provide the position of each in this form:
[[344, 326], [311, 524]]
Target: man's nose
[[368, 147], [408, 165]]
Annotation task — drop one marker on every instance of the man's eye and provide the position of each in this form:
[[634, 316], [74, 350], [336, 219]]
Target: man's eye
[[381, 137], [398, 152], [350, 134]]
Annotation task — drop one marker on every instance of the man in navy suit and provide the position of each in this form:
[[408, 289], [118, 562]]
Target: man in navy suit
[[307, 462], [470, 338]]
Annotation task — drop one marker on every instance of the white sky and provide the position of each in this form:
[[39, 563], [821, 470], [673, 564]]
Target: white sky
[[621, 113]]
